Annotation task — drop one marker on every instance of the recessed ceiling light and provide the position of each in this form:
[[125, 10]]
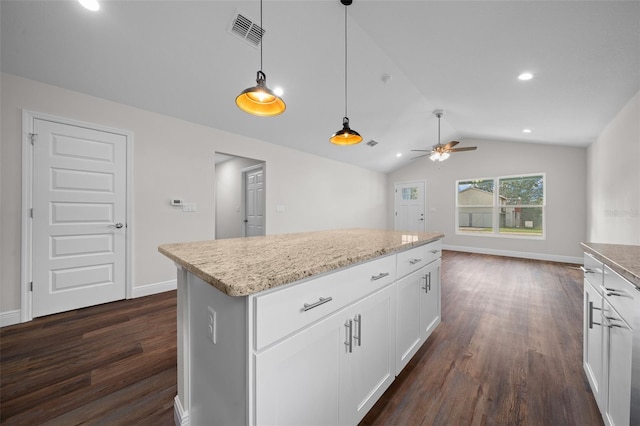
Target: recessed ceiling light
[[92, 5], [399, 155], [525, 76], [526, 130]]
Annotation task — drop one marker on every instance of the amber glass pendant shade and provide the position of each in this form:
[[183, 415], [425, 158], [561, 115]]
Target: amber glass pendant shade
[[260, 100], [345, 136]]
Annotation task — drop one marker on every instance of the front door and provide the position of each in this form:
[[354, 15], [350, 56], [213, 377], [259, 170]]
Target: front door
[[409, 207], [254, 202], [79, 225]]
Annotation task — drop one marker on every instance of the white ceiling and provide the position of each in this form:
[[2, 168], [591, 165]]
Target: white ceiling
[[177, 58]]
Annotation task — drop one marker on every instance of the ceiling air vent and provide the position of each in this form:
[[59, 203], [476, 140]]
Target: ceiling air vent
[[245, 28], [372, 143]]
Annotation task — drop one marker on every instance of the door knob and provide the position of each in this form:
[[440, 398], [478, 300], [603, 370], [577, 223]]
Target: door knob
[[117, 225]]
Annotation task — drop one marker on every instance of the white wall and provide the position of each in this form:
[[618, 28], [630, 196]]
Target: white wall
[[614, 179], [229, 191], [175, 158], [565, 170]]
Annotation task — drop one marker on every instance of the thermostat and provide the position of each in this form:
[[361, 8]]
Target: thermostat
[[177, 202]]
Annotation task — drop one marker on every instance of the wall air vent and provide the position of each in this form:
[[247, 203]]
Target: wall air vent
[[246, 28], [372, 143]]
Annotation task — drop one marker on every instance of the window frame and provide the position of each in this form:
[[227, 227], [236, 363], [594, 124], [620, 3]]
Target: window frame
[[496, 207]]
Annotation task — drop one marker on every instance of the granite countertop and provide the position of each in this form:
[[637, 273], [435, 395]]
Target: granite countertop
[[623, 259], [243, 266]]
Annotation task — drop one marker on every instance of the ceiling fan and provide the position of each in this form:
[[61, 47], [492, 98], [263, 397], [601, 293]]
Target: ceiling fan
[[441, 152]]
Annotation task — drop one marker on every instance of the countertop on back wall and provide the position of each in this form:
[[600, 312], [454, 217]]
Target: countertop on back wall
[[624, 259], [243, 266]]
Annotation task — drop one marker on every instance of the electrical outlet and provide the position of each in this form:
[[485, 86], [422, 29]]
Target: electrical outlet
[[212, 326]]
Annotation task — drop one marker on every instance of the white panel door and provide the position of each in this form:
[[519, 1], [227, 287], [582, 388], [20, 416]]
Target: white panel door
[[79, 211], [254, 202], [409, 207]]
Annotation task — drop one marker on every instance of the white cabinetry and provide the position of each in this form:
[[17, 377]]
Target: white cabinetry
[[418, 300], [320, 351], [592, 336], [611, 306]]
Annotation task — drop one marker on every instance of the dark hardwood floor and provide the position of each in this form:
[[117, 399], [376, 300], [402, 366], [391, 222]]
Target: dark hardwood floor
[[508, 352], [113, 364]]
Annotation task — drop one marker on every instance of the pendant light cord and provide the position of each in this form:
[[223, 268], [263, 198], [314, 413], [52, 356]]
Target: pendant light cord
[[261, 35], [345, 60]]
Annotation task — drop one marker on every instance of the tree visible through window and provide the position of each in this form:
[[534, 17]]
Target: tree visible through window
[[510, 205]]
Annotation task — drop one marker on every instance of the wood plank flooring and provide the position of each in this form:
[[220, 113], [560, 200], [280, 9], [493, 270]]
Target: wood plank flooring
[[508, 352], [113, 364]]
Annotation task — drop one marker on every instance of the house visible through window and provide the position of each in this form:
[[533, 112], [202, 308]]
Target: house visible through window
[[507, 205]]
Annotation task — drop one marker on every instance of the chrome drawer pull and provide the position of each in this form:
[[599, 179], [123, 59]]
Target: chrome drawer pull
[[435, 251], [377, 277], [316, 304], [587, 270], [414, 261]]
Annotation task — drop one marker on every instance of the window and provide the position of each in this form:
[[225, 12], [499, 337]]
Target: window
[[506, 206]]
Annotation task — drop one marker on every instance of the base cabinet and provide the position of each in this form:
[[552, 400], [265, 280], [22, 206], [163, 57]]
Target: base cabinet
[[592, 339], [320, 351], [333, 372], [418, 311]]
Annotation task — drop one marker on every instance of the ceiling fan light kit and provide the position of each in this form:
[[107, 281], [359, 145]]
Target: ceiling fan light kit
[[441, 152], [260, 100]]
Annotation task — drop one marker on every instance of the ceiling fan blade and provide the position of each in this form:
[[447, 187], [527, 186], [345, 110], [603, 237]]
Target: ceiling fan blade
[[451, 144], [464, 148], [421, 150]]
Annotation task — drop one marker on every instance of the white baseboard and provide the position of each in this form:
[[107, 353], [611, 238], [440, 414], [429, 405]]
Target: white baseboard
[[180, 416], [9, 318], [519, 254], [154, 288]]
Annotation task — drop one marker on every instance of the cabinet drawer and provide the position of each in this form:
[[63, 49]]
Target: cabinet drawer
[[594, 271], [366, 278], [621, 294], [415, 258], [282, 312]]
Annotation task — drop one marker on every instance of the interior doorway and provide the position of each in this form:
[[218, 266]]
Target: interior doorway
[[240, 196]]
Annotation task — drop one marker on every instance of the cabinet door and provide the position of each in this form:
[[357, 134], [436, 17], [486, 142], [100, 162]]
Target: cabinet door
[[620, 340], [297, 380], [430, 300], [593, 341], [408, 326], [370, 367]]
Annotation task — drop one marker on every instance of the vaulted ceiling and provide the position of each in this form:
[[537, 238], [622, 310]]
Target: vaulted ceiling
[[178, 58]]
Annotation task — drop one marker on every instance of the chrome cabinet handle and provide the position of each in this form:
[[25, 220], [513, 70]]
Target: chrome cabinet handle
[[349, 329], [414, 261], [587, 270], [116, 225], [381, 275], [427, 282], [322, 301], [358, 337], [435, 251], [591, 308]]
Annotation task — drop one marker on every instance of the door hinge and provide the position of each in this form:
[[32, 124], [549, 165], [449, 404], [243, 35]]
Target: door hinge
[[31, 286], [33, 137]]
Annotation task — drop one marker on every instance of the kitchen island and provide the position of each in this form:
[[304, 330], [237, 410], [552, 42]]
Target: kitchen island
[[306, 328]]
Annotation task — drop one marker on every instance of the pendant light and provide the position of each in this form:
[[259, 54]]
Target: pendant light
[[345, 136], [260, 100]]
